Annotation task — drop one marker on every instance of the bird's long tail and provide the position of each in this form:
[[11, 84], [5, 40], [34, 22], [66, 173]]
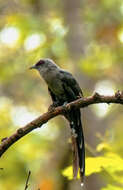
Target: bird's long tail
[[78, 143]]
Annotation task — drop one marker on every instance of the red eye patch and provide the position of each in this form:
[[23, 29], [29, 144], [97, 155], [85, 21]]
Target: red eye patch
[[40, 63]]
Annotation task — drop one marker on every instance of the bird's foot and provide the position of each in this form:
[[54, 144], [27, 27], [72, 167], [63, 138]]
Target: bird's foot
[[53, 106], [65, 103], [64, 106]]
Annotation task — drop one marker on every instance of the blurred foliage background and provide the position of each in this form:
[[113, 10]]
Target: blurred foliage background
[[86, 38]]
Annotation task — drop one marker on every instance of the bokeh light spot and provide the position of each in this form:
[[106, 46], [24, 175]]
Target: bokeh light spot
[[9, 36], [57, 27], [106, 88], [34, 41], [120, 36], [21, 115]]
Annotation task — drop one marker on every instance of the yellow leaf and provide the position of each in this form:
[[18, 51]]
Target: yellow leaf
[[68, 172], [110, 187], [110, 162]]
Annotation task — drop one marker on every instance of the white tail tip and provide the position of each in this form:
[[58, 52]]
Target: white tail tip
[[82, 184]]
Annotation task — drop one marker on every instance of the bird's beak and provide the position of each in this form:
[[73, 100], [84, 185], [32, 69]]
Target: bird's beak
[[32, 67]]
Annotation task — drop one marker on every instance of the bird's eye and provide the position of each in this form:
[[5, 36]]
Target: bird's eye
[[41, 62]]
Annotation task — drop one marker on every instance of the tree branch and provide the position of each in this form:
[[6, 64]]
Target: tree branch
[[38, 122]]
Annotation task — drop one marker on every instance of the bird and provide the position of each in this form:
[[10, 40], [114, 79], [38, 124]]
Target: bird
[[64, 88]]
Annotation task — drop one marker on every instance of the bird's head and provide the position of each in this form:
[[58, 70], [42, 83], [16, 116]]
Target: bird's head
[[44, 64]]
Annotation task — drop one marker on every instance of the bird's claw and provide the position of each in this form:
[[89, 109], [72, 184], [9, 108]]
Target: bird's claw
[[53, 106], [65, 103]]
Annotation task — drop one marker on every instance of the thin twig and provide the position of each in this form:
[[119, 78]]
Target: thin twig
[[27, 181]]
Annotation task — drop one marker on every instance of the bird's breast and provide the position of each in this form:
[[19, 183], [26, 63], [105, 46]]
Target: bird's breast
[[54, 82], [56, 86]]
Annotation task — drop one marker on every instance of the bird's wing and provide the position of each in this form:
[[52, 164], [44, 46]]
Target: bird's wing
[[71, 83], [73, 91], [53, 96]]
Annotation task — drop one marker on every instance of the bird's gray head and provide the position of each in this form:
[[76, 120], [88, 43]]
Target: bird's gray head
[[44, 65]]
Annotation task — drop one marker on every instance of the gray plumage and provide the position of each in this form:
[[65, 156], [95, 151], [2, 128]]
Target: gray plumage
[[63, 88]]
